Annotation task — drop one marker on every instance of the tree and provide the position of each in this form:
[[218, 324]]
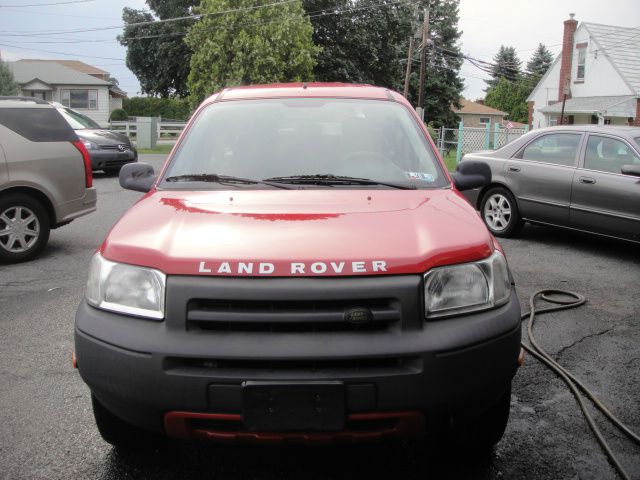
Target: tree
[[8, 86], [506, 64], [156, 53], [540, 61], [510, 97], [257, 45], [361, 42], [367, 41]]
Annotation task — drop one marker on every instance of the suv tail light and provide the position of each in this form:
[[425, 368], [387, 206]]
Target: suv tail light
[[88, 173]]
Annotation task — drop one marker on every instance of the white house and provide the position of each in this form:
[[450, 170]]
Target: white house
[[599, 72], [71, 83]]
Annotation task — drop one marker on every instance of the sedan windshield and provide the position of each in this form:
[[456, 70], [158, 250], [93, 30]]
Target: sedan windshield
[[307, 142], [77, 120]]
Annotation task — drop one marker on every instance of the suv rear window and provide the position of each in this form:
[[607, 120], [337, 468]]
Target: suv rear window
[[37, 124], [259, 139]]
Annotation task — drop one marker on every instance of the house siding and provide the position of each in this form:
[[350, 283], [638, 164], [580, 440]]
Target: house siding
[[101, 114], [600, 76], [546, 92], [473, 119], [115, 103]]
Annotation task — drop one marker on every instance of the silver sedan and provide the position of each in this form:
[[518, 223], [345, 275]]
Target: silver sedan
[[581, 177]]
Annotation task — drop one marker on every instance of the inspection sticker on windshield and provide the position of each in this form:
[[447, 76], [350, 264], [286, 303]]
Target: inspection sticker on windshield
[[424, 177]]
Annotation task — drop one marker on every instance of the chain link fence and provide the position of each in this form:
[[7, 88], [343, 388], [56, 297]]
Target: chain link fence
[[453, 143]]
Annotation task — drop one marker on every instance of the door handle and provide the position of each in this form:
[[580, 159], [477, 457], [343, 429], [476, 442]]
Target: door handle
[[514, 169], [587, 180]]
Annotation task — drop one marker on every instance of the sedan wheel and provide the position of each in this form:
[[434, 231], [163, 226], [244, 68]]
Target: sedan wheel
[[24, 228], [500, 212], [497, 212]]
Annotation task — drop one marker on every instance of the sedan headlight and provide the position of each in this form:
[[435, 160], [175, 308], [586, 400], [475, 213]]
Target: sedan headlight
[[90, 145], [125, 288], [467, 287]]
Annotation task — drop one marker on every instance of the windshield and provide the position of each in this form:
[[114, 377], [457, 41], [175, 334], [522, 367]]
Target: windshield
[[77, 120], [270, 139]]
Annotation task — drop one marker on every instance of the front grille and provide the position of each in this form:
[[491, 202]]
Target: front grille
[[274, 306], [289, 315], [123, 147]]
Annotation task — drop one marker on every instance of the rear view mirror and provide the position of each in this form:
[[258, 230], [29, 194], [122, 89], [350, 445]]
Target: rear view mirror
[[631, 170], [139, 177], [471, 174]]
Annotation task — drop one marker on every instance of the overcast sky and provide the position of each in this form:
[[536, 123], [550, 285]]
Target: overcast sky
[[26, 31]]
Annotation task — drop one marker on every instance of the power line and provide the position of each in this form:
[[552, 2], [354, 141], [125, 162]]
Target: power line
[[75, 54], [314, 14], [155, 22], [46, 4], [47, 14]]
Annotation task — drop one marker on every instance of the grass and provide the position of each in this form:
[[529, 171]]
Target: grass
[[450, 160], [160, 148]]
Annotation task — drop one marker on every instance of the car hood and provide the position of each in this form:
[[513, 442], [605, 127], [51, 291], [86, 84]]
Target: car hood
[[273, 232], [103, 137]]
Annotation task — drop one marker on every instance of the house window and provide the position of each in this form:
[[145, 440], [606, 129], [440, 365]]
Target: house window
[[485, 120], [553, 121], [582, 56], [80, 98]]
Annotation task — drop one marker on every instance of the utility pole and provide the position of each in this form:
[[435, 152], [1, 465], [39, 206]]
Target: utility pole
[[423, 62], [407, 74]]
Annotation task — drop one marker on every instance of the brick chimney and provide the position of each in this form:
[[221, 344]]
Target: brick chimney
[[567, 54]]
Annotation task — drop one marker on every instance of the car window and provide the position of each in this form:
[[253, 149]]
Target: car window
[[260, 139], [637, 139], [607, 154], [37, 124], [77, 120], [556, 148]]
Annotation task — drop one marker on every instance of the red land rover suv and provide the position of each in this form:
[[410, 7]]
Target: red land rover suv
[[303, 269]]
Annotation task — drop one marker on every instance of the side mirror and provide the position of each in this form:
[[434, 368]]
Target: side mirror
[[471, 174], [631, 170], [139, 177]]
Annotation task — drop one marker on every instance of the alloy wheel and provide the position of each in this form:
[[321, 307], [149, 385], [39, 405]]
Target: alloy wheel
[[19, 229]]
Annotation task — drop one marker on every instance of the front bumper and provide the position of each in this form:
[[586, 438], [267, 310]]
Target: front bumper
[[449, 371]]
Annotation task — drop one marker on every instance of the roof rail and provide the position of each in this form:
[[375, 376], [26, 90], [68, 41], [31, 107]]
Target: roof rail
[[25, 99]]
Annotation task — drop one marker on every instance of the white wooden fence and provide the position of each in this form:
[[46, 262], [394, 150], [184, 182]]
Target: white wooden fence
[[165, 128]]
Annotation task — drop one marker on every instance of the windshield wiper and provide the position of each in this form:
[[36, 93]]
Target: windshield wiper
[[329, 179], [213, 177]]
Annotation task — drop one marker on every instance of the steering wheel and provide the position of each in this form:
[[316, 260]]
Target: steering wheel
[[372, 163]]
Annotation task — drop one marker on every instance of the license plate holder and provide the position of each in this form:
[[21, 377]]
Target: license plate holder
[[293, 406]]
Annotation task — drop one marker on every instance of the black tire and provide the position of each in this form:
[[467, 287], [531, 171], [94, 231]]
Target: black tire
[[500, 213], [26, 217], [113, 171], [119, 433], [481, 434]]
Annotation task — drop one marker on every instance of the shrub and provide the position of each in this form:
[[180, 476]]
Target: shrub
[[118, 114]]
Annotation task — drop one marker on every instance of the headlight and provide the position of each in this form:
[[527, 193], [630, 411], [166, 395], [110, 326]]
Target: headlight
[[125, 288], [89, 145], [467, 287]]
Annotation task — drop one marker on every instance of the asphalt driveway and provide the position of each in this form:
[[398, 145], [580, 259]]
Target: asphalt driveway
[[47, 429]]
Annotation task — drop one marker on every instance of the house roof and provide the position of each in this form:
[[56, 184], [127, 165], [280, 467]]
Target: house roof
[[622, 46], [473, 108], [79, 66], [53, 73], [621, 105]]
